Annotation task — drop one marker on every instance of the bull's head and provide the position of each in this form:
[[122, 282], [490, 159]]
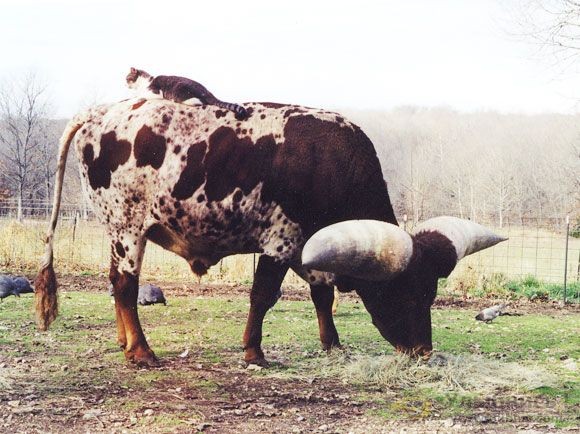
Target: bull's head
[[396, 273]]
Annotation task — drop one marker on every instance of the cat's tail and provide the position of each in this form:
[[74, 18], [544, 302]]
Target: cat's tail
[[46, 303], [236, 108]]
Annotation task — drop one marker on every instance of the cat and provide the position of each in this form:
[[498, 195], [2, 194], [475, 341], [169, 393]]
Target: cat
[[178, 89]]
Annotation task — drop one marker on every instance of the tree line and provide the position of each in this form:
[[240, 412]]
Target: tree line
[[479, 165], [28, 145]]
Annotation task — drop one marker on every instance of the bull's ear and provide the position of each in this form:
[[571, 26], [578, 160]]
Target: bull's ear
[[364, 249], [446, 240]]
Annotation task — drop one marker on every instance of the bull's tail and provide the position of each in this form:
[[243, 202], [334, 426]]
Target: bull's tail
[[46, 303]]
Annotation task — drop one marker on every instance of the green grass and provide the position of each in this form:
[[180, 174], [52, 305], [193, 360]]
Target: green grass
[[215, 326], [569, 392], [497, 285], [529, 337], [83, 339]]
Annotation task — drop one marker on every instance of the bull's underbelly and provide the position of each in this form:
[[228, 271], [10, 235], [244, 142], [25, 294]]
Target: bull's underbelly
[[240, 223]]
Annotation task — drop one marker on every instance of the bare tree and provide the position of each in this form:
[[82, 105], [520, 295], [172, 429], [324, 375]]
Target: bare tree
[[554, 25], [481, 165], [23, 110], [40, 180]]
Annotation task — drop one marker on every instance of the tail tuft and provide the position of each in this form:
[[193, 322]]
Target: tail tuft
[[46, 301]]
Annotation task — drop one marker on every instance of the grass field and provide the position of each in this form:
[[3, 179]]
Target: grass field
[[519, 372]]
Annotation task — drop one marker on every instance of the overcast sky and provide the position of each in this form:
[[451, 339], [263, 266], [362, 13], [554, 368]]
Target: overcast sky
[[332, 54]]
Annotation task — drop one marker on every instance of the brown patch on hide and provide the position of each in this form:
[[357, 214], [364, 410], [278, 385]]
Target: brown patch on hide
[[273, 105], [193, 173], [119, 249], [288, 112], [149, 148], [233, 162], [113, 154], [138, 104]]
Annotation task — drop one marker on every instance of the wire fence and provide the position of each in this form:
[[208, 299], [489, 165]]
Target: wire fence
[[539, 247], [40, 209]]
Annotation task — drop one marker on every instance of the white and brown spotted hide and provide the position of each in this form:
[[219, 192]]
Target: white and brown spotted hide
[[204, 185]]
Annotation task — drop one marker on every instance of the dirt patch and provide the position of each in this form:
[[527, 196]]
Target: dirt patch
[[214, 398], [220, 398]]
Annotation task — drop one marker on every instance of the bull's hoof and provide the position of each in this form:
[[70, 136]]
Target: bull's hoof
[[255, 356], [142, 357], [147, 363], [329, 347], [329, 344], [262, 362]]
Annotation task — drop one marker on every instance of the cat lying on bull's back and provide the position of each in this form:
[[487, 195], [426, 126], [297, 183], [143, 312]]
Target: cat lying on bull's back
[[178, 89]]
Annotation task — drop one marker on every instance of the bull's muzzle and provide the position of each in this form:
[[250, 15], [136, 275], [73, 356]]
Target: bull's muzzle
[[422, 351]]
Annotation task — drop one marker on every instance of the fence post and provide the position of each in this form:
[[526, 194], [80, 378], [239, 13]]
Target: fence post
[[72, 243], [578, 268], [577, 295], [566, 256], [74, 228]]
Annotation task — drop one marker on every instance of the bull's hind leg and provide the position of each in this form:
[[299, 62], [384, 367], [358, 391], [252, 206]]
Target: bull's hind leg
[[121, 334], [265, 292], [322, 294], [126, 259], [323, 298]]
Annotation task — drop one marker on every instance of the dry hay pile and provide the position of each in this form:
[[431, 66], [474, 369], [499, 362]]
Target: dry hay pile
[[445, 372]]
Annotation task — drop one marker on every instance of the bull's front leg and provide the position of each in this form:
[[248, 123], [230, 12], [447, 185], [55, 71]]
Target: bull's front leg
[[265, 293]]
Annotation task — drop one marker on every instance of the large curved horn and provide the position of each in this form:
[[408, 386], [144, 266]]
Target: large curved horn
[[367, 249], [467, 237]]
